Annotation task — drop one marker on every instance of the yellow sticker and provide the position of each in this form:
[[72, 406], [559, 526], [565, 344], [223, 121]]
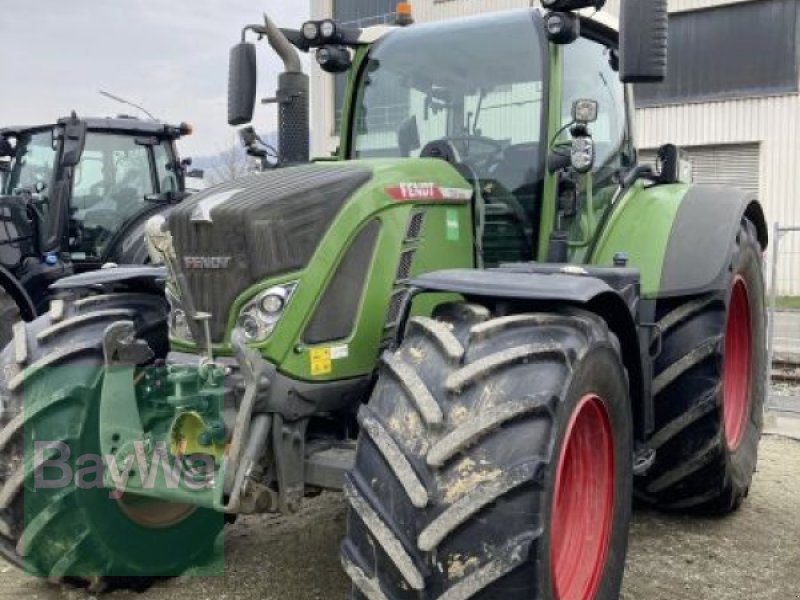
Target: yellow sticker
[[321, 363]]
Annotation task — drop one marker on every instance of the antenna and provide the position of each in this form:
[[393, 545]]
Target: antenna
[[128, 102]]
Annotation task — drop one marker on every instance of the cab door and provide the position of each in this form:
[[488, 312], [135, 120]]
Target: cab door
[[589, 72]]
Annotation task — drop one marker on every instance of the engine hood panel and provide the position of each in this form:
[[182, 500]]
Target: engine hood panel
[[232, 236]]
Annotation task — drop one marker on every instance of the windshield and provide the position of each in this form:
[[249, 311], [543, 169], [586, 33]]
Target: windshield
[[34, 161], [477, 83]]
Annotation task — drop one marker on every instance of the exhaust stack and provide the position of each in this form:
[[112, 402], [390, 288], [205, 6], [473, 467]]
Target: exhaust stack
[[293, 100], [292, 95]]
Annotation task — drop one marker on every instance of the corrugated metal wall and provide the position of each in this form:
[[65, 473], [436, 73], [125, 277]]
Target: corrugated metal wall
[[774, 123], [771, 122]]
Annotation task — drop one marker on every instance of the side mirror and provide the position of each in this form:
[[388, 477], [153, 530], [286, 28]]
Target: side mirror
[[242, 77], [674, 165], [643, 41], [74, 140]]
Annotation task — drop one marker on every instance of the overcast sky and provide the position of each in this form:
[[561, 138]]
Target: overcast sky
[[171, 56]]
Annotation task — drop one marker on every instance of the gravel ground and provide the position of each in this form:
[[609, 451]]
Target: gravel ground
[[753, 555]]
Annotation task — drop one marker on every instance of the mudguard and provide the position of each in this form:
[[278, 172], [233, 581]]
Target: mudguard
[[145, 277], [703, 239], [14, 289], [612, 293], [679, 236]]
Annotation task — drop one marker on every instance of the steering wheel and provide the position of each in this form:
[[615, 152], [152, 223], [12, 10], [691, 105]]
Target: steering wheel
[[466, 140], [105, 219]]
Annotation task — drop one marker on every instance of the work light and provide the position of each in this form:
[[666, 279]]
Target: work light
[[327, 29], [310, 31]]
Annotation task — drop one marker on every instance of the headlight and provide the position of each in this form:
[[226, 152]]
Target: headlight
[[178, 320], [259, 317]]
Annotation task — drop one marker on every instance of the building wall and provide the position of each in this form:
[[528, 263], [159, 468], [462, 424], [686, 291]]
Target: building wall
[[772, 122]]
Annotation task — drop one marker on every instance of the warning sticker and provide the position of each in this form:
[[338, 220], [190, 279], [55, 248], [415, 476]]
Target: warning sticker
[[338, 352], [321, 362], [453, 233]]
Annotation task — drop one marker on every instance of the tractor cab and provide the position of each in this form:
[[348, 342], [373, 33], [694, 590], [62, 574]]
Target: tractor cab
[[75, 191], [452, 91]]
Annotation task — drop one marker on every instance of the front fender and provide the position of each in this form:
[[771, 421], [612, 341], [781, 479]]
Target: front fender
[[144, 279]]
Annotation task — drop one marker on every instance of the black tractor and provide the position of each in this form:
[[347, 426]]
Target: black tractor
[[75, 196]]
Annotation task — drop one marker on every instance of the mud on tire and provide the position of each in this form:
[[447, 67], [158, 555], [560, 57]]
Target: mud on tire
[[50, 390], [452, 494], [702, 465]]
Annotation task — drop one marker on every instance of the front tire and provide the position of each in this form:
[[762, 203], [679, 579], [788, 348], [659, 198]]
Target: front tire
[[51, 393], [495, 461]]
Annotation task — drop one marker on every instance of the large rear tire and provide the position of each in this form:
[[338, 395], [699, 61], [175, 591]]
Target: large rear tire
[[709, 390], [495, 461], [9, 314], [51, 392]]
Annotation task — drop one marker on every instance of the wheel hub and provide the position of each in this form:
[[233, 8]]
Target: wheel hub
[[154, 514], [583, 506], [737, 366]]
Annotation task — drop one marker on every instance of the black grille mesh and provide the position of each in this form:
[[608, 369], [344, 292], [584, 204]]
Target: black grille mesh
[[415, 226], [404, 269], [395, 305]]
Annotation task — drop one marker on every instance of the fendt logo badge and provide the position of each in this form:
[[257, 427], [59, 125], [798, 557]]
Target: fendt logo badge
[[196, 263]]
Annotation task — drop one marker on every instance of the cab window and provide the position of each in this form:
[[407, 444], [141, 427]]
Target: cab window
[[165, 169], [110, 185]]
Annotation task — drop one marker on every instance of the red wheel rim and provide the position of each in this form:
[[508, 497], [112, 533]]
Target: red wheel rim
[[737, 366], [583, 507]]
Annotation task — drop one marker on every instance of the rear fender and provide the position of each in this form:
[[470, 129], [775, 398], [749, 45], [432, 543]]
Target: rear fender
[[128, 247], [680, 237], [703, 239]]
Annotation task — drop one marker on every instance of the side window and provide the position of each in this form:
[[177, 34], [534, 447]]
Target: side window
[[132, 179], [588, 74], [165, 169], [88, 179]]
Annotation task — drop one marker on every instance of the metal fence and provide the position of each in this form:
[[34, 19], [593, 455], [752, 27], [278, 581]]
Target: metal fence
[[783, 335]]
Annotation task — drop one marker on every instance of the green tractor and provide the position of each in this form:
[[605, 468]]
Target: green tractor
[[482, 320]]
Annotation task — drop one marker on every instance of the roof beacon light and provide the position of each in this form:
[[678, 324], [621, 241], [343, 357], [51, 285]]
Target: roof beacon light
[[405, 14]]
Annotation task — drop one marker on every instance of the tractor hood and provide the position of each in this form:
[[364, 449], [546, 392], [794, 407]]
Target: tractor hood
[[237, 234]]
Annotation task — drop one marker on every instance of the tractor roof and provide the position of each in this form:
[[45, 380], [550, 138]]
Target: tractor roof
[[370, 35], [121, 124]]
